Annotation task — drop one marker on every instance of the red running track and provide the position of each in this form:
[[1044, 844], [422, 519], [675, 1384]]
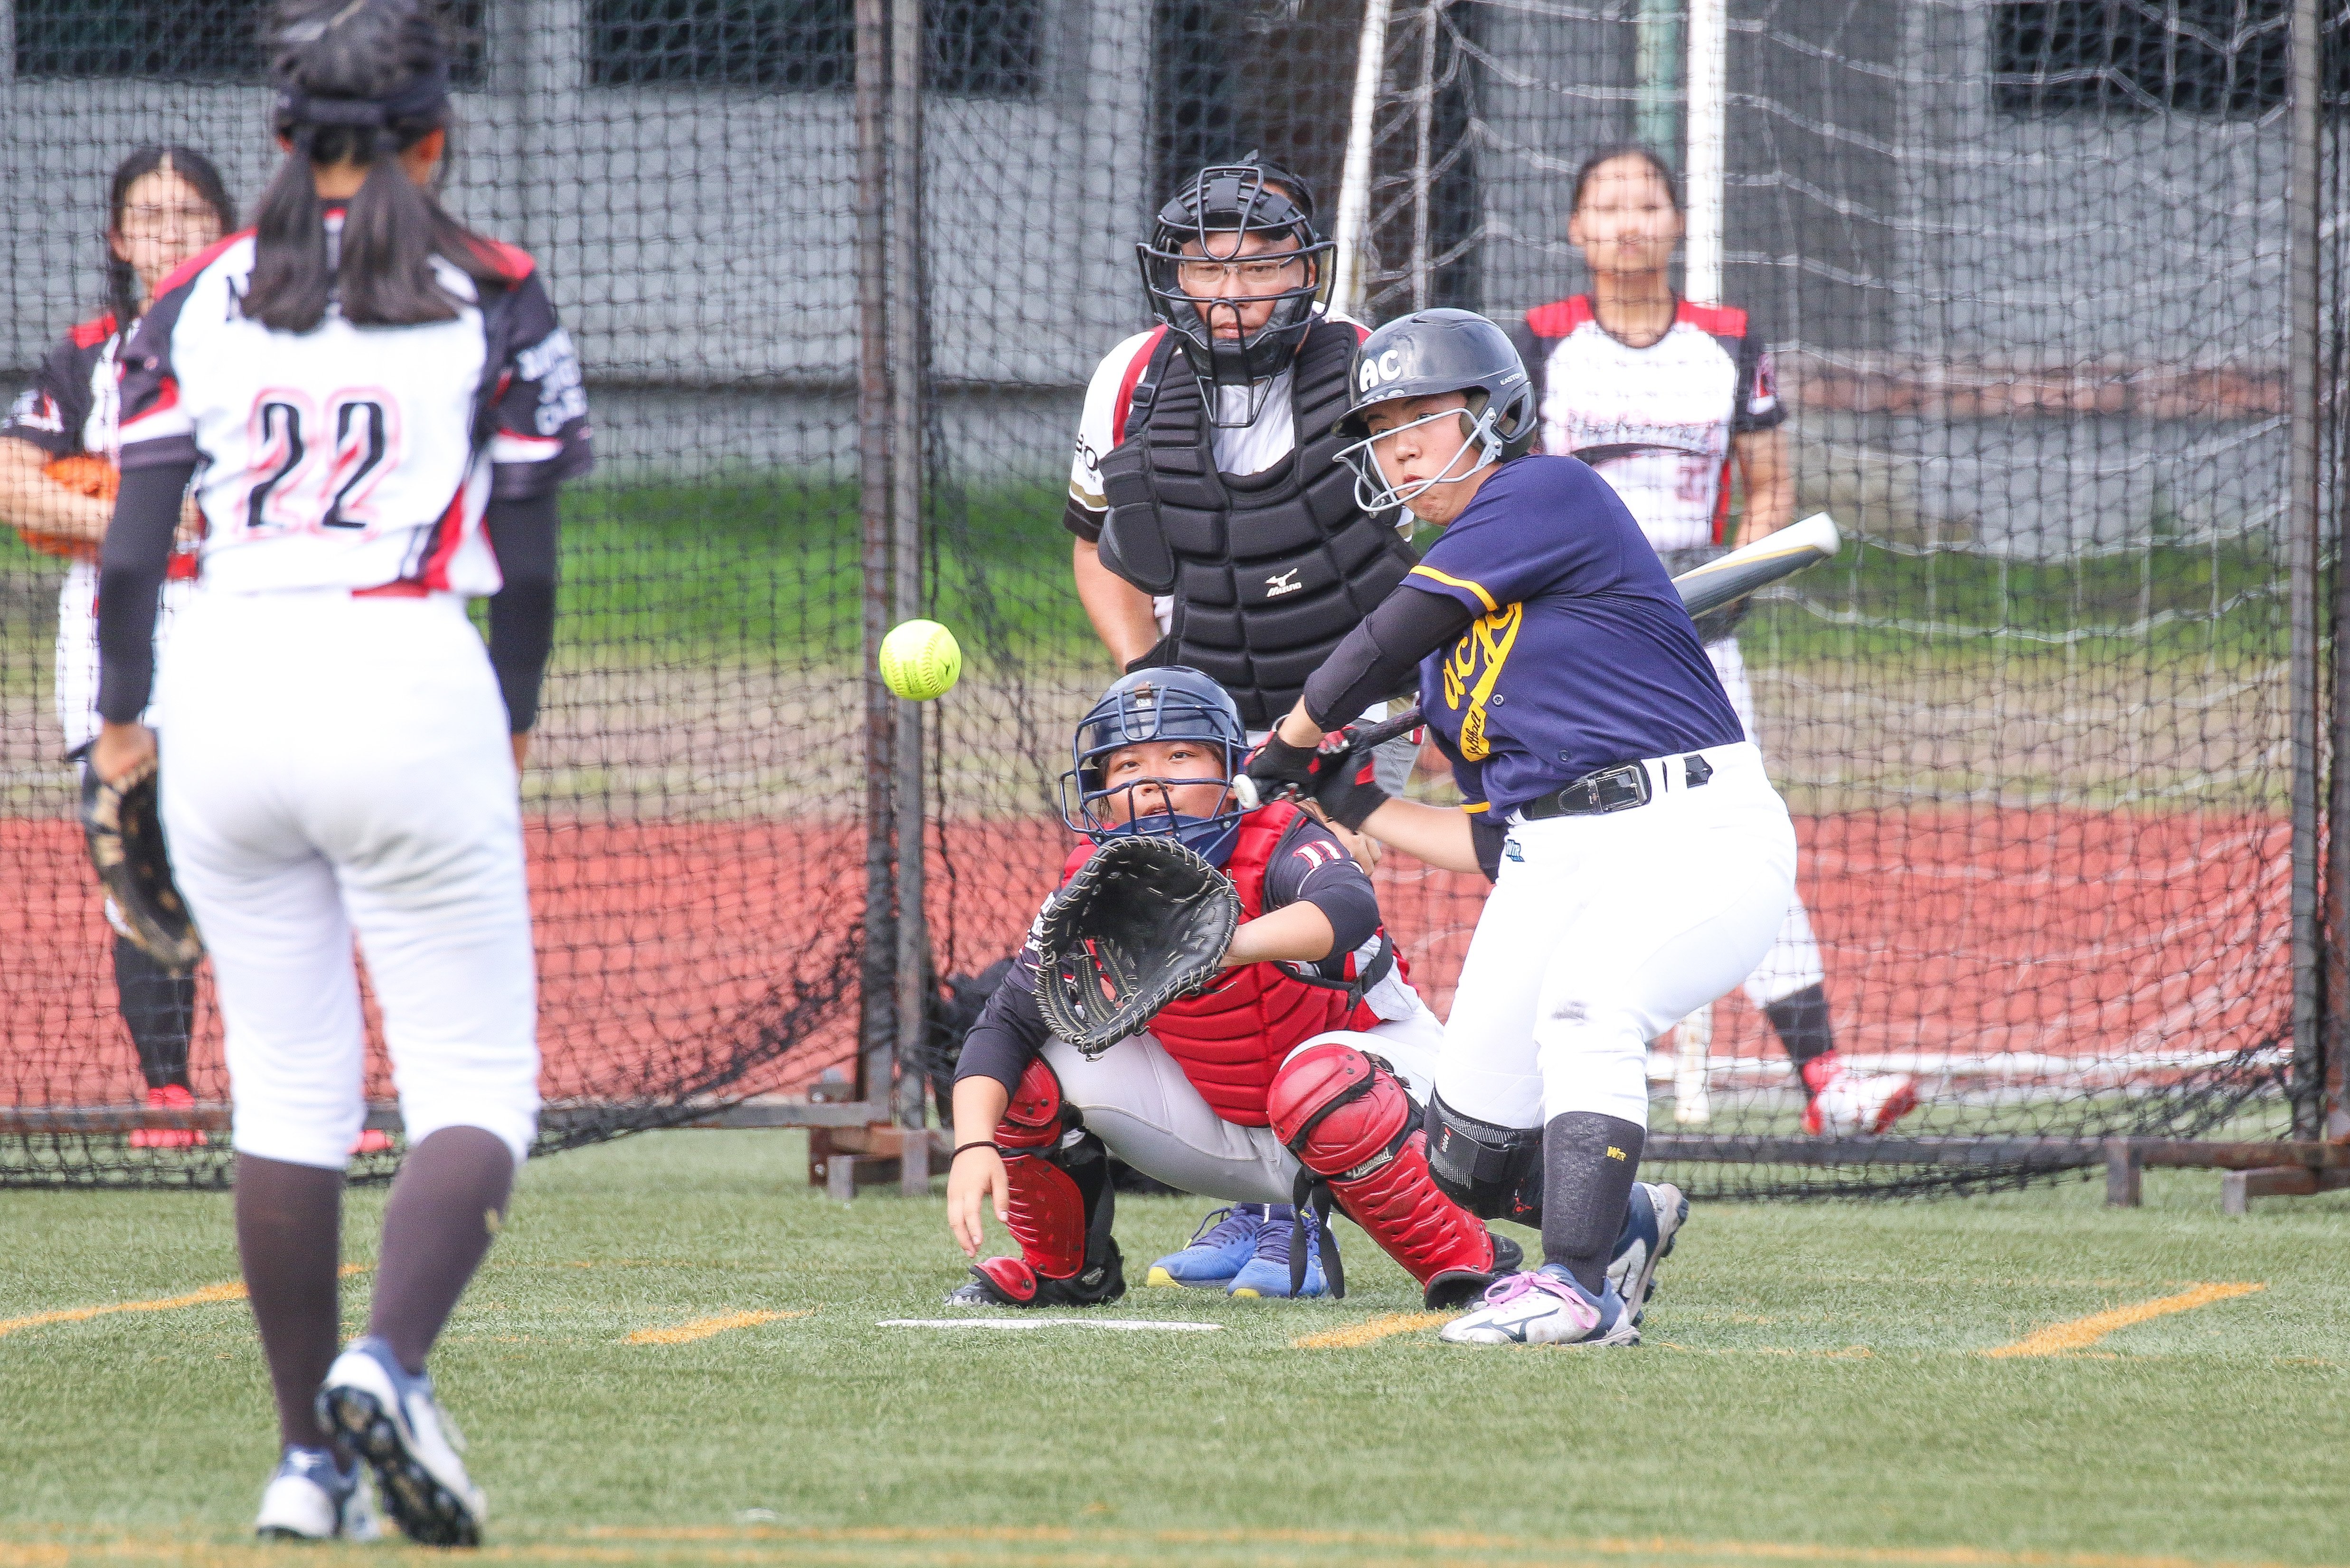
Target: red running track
[[2073, 933]]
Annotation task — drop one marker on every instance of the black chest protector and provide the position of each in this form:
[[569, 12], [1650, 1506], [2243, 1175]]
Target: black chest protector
[[1267, 572]]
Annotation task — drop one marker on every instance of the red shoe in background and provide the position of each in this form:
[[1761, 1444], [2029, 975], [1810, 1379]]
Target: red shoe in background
[[170, 1097], [1846, 1103]]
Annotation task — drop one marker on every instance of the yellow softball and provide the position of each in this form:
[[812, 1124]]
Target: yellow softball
[[920, 659]]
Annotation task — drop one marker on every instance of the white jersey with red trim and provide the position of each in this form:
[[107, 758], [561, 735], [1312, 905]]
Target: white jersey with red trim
[[1657, 421], [349, 457]]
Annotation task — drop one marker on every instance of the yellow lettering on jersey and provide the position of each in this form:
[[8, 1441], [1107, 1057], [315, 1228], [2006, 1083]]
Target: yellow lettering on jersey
[[1472, 668]]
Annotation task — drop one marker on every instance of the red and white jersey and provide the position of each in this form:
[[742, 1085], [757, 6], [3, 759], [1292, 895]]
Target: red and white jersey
[[1657, 421], [1241, 449], [349, 457]]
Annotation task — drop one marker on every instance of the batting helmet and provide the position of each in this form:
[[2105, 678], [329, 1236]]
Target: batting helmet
[[1216, 212], [1173, 704], [1424, 355]]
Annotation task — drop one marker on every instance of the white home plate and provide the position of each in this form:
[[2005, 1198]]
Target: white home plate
[[1129, 1323]]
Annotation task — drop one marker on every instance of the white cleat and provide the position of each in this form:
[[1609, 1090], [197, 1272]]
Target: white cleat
[[308, 1500], [388, 1415], [1845, 1104], [1543, 1308], [1658, 1211]]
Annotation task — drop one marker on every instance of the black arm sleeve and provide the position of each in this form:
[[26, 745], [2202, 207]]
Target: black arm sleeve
[[1312, 865], [130, 582], [1381, 657], [1010, 1031], [521, 614]]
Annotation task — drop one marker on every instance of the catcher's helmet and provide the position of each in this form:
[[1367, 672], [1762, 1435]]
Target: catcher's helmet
[[1423, 355], [1173, 704], [1217, 208]]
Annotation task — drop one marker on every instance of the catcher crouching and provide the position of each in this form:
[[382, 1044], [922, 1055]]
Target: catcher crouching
[[1211, 997]]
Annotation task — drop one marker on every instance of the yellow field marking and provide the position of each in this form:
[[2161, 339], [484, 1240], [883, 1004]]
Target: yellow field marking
[[2083, 1332], [703, 1327], [1369, 1331], [226, 1291]]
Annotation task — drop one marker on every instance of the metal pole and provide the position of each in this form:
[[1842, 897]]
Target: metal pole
[[2302, 512], [1354, 230], [1430, 15], [911, 957], [1709, 89], [877, 1018], [1657, 75]]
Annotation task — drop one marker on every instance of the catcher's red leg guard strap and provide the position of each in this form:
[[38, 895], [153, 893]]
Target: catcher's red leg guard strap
[[1351, 1122]]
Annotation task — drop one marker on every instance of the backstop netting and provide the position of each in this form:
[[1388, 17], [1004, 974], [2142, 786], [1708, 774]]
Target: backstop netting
[[2023, 265]]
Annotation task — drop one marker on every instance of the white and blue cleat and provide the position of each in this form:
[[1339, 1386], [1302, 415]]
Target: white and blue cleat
[[1268, 1272], [388, 1416], [1651, 1220], [307, 1499], [1220, 1249], [1546, 1306]]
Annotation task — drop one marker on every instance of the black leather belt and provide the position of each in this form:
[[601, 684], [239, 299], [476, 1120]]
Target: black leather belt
[[1618, 788]]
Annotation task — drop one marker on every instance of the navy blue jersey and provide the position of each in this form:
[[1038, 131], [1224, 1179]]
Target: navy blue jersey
[[1582, 656]]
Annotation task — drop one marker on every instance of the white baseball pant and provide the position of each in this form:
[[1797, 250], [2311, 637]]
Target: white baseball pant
[[1603, 930], [1136, 1096], [1792, 964], [338, 765]]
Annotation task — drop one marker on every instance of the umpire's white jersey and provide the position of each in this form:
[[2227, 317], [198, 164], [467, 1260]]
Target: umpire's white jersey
[[338, 762]]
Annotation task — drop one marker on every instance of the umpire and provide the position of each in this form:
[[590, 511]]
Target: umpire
[[1215, 526]]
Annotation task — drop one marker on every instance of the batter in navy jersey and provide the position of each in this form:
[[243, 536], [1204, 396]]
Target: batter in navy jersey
[[1641, 860]]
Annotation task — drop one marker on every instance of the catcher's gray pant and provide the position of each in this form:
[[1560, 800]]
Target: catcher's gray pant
[[1136, 1096], [338, 765]]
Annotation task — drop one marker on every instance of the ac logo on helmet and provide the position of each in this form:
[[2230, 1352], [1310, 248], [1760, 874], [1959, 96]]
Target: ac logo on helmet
[[1385, 366]]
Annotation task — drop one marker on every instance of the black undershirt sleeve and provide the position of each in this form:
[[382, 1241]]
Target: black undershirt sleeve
[[1010, 1031], [1328, 878], [521, 614], [1381, 655], [131, 564]]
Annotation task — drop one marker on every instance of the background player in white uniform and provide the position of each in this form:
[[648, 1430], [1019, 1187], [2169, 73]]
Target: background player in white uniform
[[1663, 396], [1641, 859], [58, 481], [377, 408]]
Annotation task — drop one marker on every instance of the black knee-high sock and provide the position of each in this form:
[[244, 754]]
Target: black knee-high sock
[[447, 1203], [289, 1240], [158, 1008], [1588, 1164], [1802, 1021]]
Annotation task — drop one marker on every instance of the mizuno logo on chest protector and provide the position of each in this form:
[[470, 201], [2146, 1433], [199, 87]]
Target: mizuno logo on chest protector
[[1286, 583]]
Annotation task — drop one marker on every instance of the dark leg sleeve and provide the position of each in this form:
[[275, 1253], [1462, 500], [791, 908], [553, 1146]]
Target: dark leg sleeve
[[447, 1202], [1802, 1021], [158, 1008], [1589, 1162], [289, 1240]]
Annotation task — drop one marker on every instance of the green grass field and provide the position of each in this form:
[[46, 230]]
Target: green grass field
[[1812, 1390]]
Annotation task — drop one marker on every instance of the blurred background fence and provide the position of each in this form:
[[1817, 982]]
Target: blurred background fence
[[2054, 287]]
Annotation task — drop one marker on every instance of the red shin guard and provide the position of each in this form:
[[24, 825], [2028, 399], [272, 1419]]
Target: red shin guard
[[1349, 1122], [1048, 1212]]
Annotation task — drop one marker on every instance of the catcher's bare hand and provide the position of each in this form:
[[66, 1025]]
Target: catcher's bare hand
[[120, 748], [976, 1179]]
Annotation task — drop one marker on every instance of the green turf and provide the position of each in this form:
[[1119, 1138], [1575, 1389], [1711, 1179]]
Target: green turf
[[1809, 1391]]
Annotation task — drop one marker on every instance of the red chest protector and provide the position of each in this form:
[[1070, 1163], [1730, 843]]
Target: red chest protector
[[1231, 1041]]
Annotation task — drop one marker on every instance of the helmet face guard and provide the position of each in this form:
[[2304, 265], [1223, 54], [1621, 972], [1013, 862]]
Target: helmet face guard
[[1170, 704], [1216, 213], [1428, 354]]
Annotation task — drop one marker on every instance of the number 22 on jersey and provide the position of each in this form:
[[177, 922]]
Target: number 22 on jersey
[[314, 467]]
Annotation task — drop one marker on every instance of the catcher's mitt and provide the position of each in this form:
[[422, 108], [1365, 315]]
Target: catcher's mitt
[[1143, 922], [126, 845]]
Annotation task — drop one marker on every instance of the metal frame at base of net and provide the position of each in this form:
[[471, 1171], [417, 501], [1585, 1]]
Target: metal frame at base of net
[[2043, 285]]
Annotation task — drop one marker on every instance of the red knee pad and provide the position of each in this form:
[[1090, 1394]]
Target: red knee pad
[[1350, 1121], [1033, 1118]]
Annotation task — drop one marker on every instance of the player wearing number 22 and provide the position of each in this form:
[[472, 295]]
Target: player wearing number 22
[[1305, 1063], [1641, 860], [376, 407]]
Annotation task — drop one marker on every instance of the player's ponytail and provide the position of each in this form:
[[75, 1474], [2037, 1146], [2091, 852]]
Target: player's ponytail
[[359, 81]]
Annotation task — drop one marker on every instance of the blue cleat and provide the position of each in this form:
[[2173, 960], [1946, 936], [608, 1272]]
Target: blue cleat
[[1226, 1240], [1651, 1220], [1266, 1274]]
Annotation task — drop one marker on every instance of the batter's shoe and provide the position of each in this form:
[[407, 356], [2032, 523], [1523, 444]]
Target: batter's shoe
[[169, 1098], [1653, 1219], [371, 1140], [1226, 1240], [1266, 1274], [388, 1416], [1845, 1104], [307, 1499], [1544, 1307], [1010, 1282]]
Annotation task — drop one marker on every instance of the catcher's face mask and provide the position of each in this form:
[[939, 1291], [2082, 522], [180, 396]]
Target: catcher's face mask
[[1157, 754]]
